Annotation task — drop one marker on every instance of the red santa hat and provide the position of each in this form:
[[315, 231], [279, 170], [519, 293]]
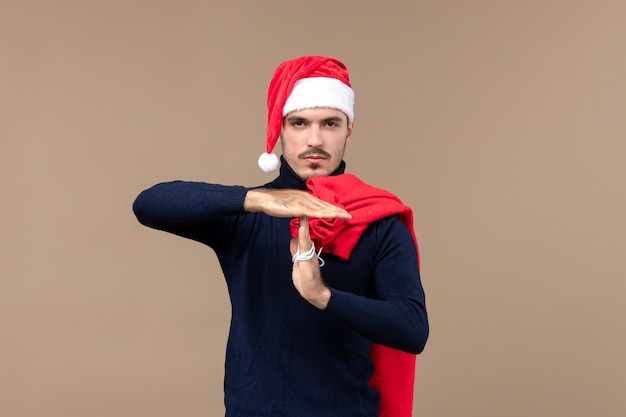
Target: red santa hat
[[304, 83]]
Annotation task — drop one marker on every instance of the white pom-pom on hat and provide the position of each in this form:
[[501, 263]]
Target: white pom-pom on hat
[[268, 162]]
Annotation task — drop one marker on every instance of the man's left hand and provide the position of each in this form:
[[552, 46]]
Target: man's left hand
[[306, 275]]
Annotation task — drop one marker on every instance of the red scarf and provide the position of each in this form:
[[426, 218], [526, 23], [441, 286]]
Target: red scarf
[[394, 370]]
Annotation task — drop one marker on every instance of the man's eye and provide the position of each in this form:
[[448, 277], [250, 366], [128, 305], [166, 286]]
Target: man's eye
[[297, 123]]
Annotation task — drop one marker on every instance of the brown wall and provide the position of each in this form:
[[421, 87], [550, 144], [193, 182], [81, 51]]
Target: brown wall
[[502, 123]]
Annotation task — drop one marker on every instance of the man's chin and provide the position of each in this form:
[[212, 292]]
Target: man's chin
[[313, 171]]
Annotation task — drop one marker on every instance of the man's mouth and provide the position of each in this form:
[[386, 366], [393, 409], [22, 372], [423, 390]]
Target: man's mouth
[[314, 156]]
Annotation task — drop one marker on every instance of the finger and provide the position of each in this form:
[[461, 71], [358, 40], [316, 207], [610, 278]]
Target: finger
[[323, 209], [293, 246], [336, 212], [304, 237]]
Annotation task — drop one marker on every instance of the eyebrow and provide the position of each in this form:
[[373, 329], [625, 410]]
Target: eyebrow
[[327, 119]]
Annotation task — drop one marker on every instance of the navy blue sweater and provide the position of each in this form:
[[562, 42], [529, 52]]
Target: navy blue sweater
[[284, 356]]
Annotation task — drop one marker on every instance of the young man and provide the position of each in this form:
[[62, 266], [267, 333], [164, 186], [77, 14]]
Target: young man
[[328, 309]]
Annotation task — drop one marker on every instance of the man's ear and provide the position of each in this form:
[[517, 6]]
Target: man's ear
[[350, 129]]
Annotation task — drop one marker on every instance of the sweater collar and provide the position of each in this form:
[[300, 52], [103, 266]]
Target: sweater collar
[[287, 178]]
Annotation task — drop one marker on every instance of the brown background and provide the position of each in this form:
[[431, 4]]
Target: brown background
[[501, 122]]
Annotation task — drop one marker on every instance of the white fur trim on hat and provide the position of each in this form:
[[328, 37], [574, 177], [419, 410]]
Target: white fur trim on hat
[[314, 92]]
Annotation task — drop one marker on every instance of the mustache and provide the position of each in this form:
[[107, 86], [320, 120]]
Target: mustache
[[314, 152]]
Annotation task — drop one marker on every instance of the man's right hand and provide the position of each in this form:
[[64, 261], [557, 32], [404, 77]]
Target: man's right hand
[[291, 203]]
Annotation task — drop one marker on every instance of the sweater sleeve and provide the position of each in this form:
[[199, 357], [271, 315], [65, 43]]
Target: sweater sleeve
[[396, 317], [195, 210]]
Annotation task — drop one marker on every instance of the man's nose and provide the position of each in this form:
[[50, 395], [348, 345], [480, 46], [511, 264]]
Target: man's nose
[[315, 137]]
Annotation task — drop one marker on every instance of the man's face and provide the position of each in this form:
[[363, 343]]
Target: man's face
[[314, 140]]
